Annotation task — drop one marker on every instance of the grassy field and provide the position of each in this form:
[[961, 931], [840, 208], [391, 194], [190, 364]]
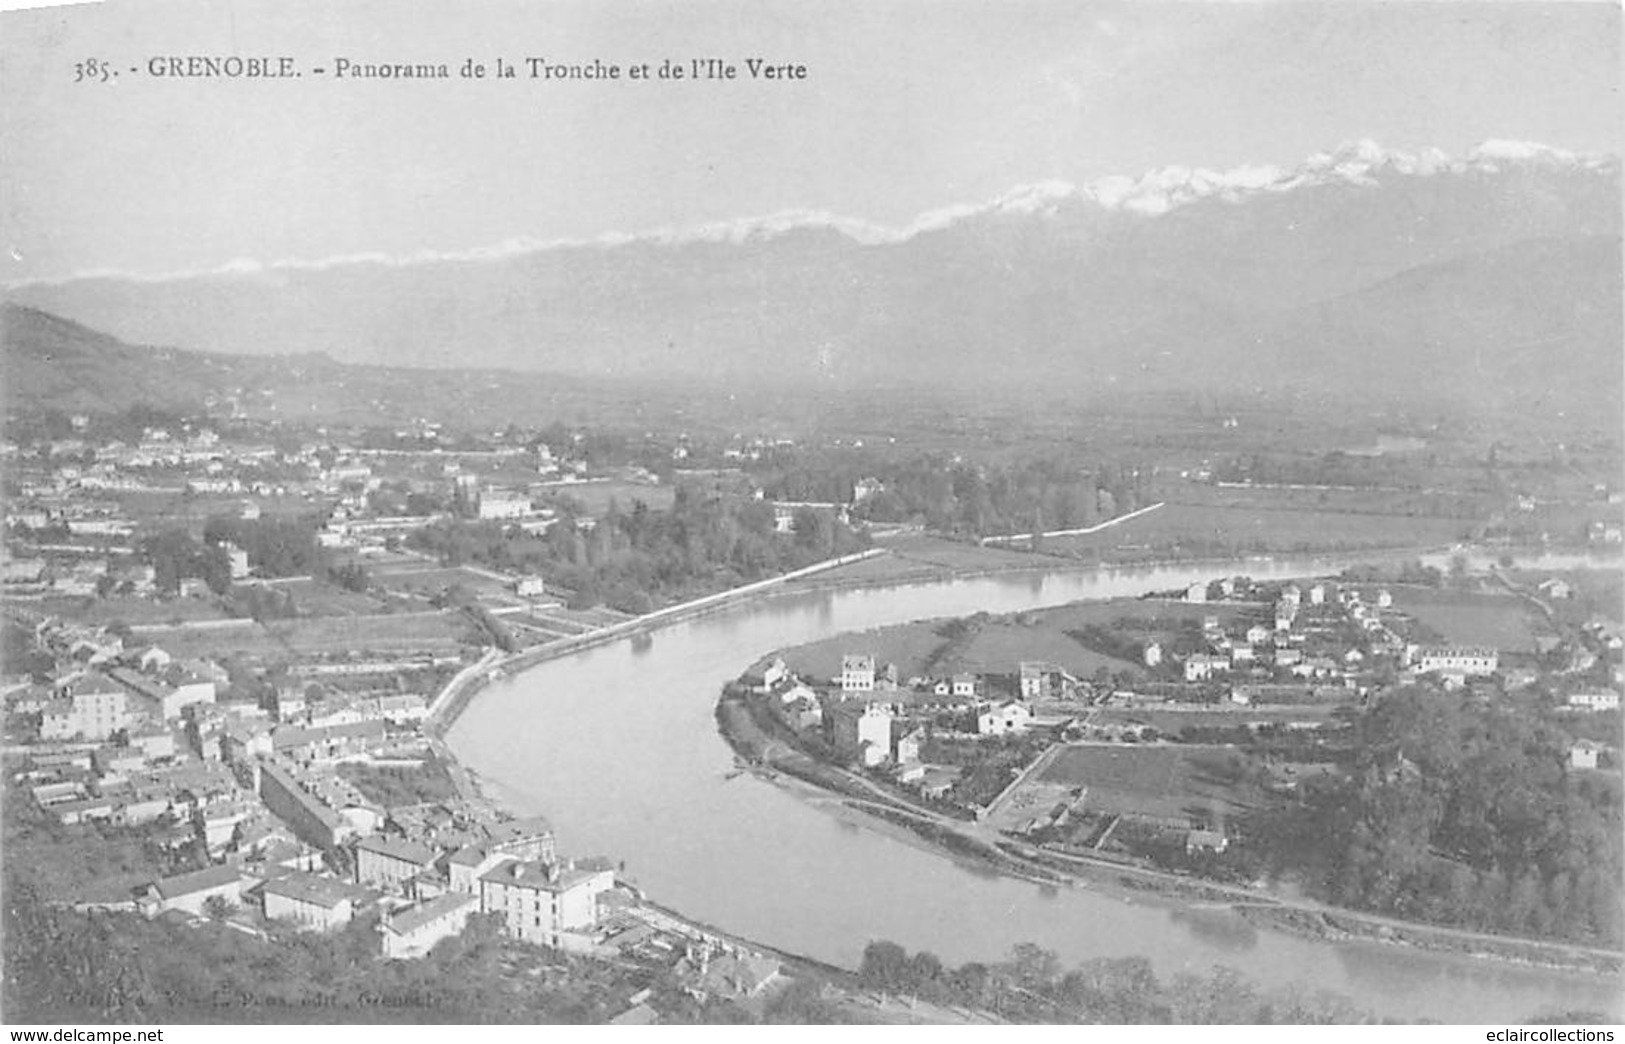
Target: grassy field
[[1201, 782], [1463, 508], [1598, 592], [134, 611], [881, 569], [315, 598], [595, 496], [1463, 618], [427, 579], [1001, 647], [1202, 529], [393, 634], [907, 645], [948, 554], [1157, 616]]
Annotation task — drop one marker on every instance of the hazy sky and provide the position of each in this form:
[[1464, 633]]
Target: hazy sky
[[907, 107]]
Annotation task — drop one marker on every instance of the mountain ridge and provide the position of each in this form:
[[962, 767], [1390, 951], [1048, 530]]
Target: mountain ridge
[[1516, 245], [1157, 191]]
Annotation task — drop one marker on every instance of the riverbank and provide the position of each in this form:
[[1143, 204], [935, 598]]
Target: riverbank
[[1048, 562], [450, 702], [754, 742], [1351, 926], [454, 698], [695, 835]]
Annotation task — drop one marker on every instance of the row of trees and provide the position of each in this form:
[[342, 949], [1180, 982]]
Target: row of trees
[[961, 497], [1033, 986]]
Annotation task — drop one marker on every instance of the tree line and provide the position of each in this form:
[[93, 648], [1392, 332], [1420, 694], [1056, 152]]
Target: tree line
[[635, 559]]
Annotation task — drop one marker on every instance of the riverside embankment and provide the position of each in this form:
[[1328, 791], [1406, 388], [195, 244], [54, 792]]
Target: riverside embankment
[[454, 697], [618, 745], [760, 741]]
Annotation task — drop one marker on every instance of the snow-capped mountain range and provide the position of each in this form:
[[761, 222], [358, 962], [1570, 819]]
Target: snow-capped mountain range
[[1354, 264]]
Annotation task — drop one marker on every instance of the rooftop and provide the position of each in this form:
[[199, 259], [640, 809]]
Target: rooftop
[[196, 881], [310, 888], [407, 921], [399, 848]]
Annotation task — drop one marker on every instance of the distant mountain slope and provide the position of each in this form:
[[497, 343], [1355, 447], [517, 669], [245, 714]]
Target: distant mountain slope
[[47, 362], [1464, 276], [1535, 322], [47, 359]]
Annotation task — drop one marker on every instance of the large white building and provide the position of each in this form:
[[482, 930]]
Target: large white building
[[311, 902], [857, 672], [503, 505], [1002, 718], [391, 864], [413, 932], [865, 733], [1450, 660], [544, 903], [91, 707], [1603, 700]]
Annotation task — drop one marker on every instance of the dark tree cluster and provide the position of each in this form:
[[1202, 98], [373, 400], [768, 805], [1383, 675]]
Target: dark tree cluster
[[1032, 986], [1462, 813], [634, 560]]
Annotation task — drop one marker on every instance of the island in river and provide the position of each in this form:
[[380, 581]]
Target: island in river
[[1208, 744], [752, 857]]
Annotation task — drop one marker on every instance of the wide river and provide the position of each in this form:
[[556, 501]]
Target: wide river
[[619, 748]]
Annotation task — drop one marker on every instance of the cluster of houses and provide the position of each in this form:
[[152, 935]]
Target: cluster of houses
[[423, 890], [142, 740], [875, 719], [138, 740], [71, 530], [1324, 634]]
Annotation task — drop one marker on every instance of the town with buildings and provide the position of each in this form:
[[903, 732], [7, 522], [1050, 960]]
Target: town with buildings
[[228, 660], [1203, 704], [232, 646]]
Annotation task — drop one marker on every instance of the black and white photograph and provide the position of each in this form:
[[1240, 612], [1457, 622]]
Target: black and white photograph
[[905, 513]]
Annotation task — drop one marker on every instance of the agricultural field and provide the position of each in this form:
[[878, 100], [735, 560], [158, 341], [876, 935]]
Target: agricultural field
[[396, 633], [315, 598], [1204, 783], [1501, 621], [1217, 529], [426, 580], [1462, 507], [135, 611]]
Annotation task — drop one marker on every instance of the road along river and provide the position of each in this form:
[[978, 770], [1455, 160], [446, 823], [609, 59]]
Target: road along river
[[619, 747]]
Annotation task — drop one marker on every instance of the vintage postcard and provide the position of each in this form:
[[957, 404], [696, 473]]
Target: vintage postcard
[[903, 513]]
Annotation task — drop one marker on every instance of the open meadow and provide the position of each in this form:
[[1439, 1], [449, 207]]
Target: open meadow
[[1500, 621], [1217, 529], [388, 634], [1199, 782], [596, 496]]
